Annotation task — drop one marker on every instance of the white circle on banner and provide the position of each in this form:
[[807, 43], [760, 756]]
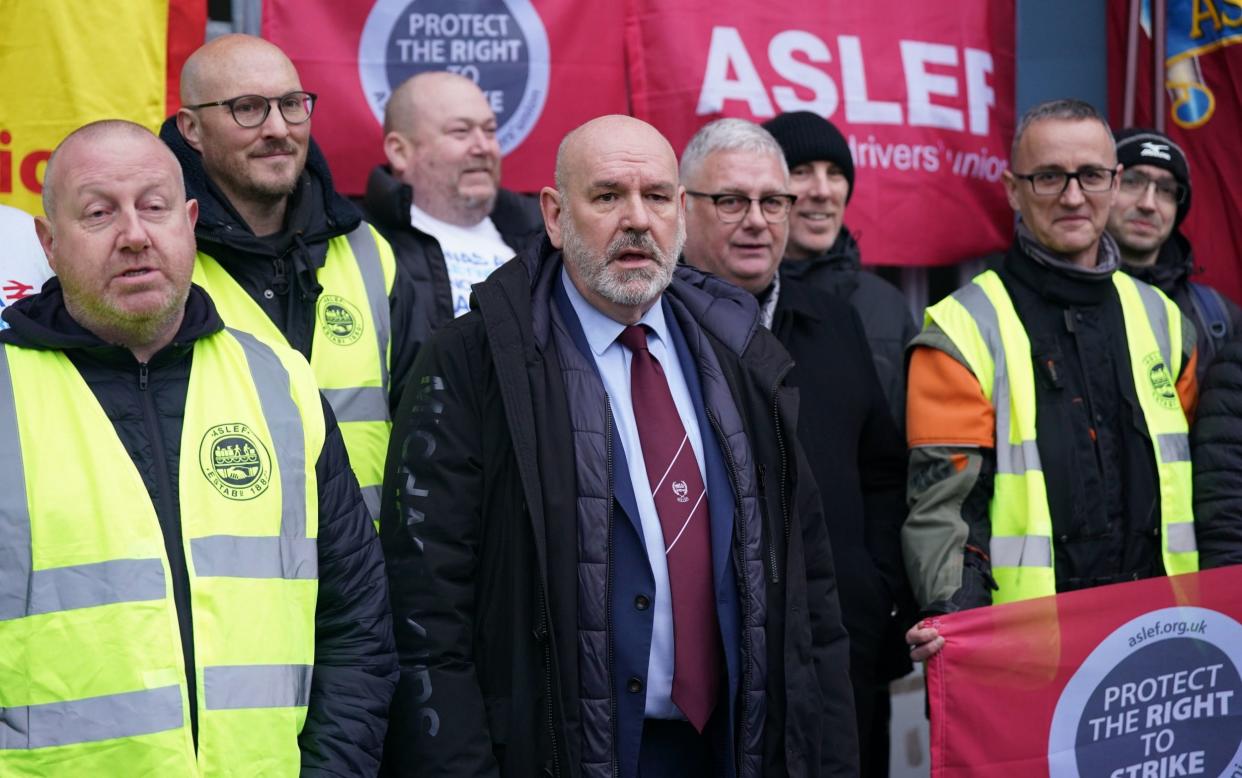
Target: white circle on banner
[[1161, 694], [501, 45]]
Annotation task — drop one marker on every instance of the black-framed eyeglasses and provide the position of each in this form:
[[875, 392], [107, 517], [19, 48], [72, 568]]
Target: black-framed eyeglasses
[[1054, 182], [251, 111], [1135, 183], [732, 207]]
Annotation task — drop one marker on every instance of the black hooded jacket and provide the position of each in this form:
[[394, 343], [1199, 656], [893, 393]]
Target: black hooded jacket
[[1171, 274], [355, 664], [387, 206], [885, 315], [279, 271]]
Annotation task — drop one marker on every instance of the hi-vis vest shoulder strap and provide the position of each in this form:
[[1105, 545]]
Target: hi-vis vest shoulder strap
[[351, 347], [92, 675], [981, 321]]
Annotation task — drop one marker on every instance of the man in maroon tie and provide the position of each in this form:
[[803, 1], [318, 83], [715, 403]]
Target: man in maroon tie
[[605, 552]]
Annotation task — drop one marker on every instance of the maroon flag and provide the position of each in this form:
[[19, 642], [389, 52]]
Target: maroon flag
[[1203, 101], [1126, 681]]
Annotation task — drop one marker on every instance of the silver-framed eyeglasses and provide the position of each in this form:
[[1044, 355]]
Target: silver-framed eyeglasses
[[251, 111], [732, 207], [1135, 183], [1054, 182]]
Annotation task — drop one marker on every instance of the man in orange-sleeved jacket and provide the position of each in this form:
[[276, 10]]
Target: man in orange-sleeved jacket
[[1049, 401]]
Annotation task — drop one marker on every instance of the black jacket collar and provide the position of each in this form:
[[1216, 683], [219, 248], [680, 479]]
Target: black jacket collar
[[42, 322], [1172, 268]]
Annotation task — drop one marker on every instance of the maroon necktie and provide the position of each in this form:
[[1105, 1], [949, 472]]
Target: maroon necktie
[[681, 501]]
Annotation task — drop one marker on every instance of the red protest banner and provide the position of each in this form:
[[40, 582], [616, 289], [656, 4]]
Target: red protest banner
[[922, 91], [1126, 681], [1203, 100], [546, 66]]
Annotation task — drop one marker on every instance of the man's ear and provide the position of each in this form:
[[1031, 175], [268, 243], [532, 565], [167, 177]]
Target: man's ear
[[550, 205], [190, 128], [43, 229], [1012, 183], [191, 212], [399, 150]]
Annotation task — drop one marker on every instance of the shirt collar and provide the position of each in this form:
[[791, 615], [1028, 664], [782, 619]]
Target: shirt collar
[[602, 331]]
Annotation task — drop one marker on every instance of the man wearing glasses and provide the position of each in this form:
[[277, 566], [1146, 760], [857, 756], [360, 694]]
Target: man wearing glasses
[[1049, 401], [281, 253], [1152, 203], [737, 222]]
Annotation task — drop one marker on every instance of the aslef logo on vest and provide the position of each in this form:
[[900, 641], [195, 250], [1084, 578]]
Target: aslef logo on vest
[[1162, 389], [1160, 696], [235, 461], [499, 44], [339, 319]]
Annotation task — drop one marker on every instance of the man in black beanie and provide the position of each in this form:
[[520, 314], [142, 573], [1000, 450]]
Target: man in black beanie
[[1145, 218], [823, 253]]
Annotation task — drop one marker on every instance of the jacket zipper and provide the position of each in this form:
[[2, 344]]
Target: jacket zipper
[[541, 634], [740, 562], [773, 575], [780, 445], [608, 631]]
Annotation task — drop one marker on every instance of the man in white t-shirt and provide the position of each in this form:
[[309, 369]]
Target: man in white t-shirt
[[23, 266], [438, 201]]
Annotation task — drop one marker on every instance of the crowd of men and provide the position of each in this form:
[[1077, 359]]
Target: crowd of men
[[610, 481]]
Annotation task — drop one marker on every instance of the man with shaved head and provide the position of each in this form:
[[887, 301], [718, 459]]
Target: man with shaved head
[[187, 568], [438, 200], [605, 550], [282, 254]]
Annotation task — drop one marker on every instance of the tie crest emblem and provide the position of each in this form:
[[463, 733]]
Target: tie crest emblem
[[681, 490]]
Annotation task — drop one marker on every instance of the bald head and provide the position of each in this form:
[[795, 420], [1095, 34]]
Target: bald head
[[98, 133], [430, 97], [214, 71], [613, 134]]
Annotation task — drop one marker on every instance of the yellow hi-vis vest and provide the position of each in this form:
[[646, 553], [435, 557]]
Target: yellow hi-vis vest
[[981, 321], [351, 347], [92, 674]]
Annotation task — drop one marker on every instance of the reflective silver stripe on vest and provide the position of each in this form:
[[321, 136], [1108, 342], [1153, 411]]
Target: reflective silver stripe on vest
[[358, 403], [1021, 551], [256, 686], [25, 591], [366, 253], [1158, 315], [90, 720], [371, 496], [1181, 537], [292, 555], [1174, 447], [1010, 459]]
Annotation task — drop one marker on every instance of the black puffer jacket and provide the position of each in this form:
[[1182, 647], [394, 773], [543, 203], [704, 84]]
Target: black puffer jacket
[[881, 306], [1216, 441], [355, 667], [279, 271], [387, 206], [479, 533], [1171, 275]]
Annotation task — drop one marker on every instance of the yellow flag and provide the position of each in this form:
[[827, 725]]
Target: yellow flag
[[64, 63]]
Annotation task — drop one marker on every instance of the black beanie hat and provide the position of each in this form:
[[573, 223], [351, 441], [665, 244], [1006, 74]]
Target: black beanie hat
[[807, 137], [1137, 146]]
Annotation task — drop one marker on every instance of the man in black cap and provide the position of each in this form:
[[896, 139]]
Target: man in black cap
[[1145, 220], [823, 253]]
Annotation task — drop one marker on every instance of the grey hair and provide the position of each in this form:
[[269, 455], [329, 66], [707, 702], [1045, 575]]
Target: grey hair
[[1063, 109], [729, 135]]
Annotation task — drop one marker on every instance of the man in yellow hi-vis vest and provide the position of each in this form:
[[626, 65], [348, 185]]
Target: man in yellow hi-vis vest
[[281, 253], [1049, 401], [189, 582]]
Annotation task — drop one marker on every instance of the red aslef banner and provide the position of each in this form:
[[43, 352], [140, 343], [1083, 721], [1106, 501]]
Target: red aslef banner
[[1127, 681], [1203, 100], [923, 92], [546, 66]]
